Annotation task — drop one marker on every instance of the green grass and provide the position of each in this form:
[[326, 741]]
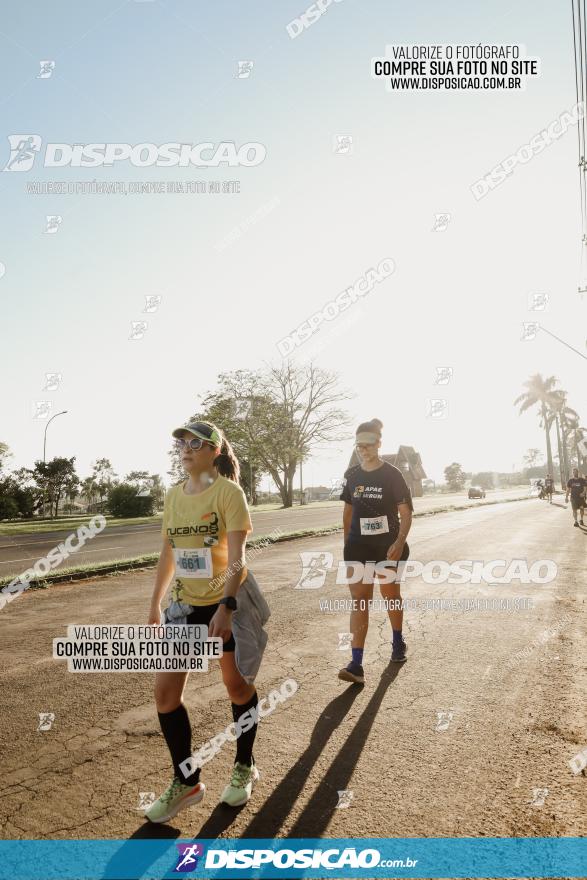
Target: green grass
[[275, 505], [68, 524], [73, 522], [147, 560]]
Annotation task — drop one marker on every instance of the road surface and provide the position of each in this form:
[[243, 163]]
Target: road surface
[[494, 763], [19, 552]]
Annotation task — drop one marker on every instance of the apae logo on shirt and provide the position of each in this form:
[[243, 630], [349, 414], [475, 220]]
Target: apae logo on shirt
[[368, 492]]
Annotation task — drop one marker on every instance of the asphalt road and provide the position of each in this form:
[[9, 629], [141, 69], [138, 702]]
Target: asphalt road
[[471, 737], [19, 552]]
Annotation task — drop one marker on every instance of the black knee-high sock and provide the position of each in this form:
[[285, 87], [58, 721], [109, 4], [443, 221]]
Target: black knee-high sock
[[244, 744], [177, 731]]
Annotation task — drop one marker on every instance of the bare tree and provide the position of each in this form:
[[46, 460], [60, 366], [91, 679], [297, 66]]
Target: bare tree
[[275, 418]]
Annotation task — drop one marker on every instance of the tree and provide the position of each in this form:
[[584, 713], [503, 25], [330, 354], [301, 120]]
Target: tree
[[123, 501], [27, 494], [567, 422], [532, 457], [19, 496], [484, 479], [455, 477], [104, 477], [5, 454], [137, 477], [8, 504], [290, 409], [539, 394], [89, 490], [143, 481], [53, 478], [157, 491], [71, 488]]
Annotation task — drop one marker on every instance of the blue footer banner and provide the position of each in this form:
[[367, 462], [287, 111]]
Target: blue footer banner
[[469, 857]]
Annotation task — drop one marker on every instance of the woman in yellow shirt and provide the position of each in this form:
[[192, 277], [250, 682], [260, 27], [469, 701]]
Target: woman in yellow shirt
[[205, 526]]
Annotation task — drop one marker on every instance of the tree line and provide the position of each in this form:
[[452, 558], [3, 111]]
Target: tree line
[[53, 485]]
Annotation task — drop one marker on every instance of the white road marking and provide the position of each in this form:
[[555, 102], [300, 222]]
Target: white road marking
[[48, 540], [34, 558]]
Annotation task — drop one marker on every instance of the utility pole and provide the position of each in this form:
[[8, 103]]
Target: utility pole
[[301, 484]]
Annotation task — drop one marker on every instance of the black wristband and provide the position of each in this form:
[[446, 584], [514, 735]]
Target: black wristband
[[230, 602]]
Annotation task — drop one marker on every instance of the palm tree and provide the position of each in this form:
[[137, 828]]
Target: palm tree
[[567, 421], [539, 393], [89, 490], [580, 435]]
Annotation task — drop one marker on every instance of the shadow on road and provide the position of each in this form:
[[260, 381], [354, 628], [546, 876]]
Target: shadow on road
[[271, 816], [316, 815], [267, 822], [143, 858], [218, 821]]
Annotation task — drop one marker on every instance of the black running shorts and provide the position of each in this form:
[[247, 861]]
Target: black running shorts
[[368, 551], [202, 615]]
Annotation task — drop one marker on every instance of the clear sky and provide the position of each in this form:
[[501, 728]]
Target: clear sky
[[165, 71]]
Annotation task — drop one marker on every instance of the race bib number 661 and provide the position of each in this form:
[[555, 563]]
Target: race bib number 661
[[195, 563]]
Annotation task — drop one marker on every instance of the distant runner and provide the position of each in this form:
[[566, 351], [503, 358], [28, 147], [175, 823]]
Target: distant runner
[[548, 487], [374, 492], [577, 486]]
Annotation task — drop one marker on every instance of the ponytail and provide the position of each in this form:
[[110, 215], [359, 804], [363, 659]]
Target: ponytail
[[375, 426], [226, 462]]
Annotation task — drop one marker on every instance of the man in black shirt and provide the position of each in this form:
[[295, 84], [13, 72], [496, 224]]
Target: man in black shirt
[[577, 487]]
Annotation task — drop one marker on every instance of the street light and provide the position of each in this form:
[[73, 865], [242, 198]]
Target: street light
[[46, 426], [45, 446]]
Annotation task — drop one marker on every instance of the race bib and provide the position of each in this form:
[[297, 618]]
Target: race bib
[[374, 525], [193, 563]]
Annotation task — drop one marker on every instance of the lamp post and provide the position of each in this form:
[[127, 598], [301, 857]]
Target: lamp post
[[45, 446]]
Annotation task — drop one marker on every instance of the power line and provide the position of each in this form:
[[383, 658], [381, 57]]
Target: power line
[[563, 342]]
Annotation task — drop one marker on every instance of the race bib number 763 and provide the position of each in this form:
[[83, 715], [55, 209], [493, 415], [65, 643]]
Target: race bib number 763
[[374, 525]]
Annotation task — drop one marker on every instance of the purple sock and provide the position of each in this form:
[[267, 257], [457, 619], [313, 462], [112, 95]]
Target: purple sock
[[358, 656]]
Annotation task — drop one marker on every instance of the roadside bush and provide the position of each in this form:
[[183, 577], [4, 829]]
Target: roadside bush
[[123, 501], [8, 507], [15, 501]]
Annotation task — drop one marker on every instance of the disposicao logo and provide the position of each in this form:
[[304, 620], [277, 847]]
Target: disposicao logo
[[25, 147], [189, 854]]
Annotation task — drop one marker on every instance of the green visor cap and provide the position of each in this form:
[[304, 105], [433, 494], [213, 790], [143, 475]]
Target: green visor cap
[[367, 437], [202, 430]]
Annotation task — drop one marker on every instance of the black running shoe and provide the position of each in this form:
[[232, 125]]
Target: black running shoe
[[398, 655], [353, 672]]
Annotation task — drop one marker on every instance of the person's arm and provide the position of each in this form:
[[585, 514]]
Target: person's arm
[[163, 575], [347, 515], [221, 623], [405, 523], [567, 495]]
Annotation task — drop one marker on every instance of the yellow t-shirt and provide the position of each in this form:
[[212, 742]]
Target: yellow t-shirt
[[197, 527]]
